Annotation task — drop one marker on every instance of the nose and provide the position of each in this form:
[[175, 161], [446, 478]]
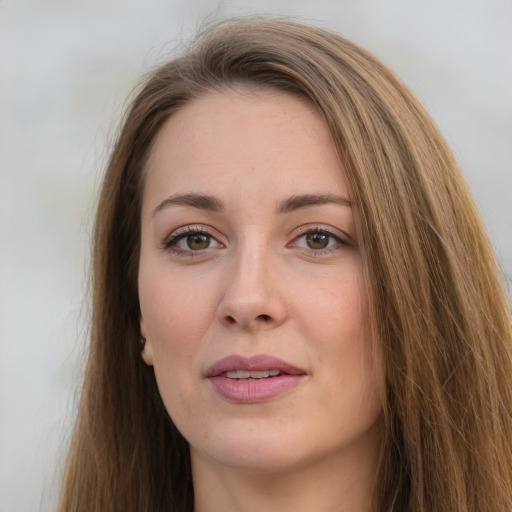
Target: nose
[[253, 293]]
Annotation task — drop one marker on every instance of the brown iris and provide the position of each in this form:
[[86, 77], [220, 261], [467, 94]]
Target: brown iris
[[317, 240], [197, 242]]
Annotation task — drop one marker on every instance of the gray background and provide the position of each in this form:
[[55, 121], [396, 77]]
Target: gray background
[[66, 70]]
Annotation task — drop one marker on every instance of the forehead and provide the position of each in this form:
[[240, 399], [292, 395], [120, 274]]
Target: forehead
[[244, 139]]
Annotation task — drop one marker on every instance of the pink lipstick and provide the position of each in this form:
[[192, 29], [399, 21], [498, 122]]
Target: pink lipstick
[[253, 379]]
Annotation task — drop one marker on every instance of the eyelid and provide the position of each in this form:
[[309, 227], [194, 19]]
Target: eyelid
[[179, 233], [343, 238], [324, 228]]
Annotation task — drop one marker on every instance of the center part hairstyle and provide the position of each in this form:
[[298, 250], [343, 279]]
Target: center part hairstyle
[[439, 317]]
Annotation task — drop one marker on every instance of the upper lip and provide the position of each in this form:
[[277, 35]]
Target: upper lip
[[252, 363]]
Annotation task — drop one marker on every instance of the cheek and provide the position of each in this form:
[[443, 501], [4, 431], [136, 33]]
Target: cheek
[[174, 324], [337, 315], [175, 308], [337, 321], [178, 310], [174, 317]]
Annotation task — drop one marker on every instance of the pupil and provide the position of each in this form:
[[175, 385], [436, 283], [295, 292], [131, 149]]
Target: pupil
[[198, 241], [317, 240]]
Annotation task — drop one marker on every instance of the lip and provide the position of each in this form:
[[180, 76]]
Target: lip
[[242, 391], [255, 363]]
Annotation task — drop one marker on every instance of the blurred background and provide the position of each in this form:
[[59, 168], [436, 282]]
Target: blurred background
[[66, 70]]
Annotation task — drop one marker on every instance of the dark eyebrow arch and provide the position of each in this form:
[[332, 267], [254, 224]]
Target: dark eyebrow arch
[[200, 201], [307, 200]]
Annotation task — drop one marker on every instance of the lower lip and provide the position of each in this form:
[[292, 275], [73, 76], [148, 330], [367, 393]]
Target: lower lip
[[249, 392]]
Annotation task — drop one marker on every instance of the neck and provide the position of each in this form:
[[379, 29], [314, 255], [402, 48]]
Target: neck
[[341, 483]]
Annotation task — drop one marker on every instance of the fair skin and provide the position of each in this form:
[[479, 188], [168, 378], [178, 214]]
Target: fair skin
[[249, 249]]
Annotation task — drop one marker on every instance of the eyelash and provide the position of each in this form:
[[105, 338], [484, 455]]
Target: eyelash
[[175, 237], [310, 230], [170, 243]]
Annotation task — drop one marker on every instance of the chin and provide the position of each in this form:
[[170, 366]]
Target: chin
[[259, 448], [257, 458], [277, 447]]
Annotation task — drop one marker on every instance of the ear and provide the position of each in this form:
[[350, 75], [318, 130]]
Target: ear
[[147, 351]]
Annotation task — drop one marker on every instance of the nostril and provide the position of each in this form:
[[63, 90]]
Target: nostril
[[231, 320]]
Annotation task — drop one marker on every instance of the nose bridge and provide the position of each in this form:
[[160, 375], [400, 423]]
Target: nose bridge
[[252, 293]]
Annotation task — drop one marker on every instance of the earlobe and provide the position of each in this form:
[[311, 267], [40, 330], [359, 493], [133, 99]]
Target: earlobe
[[147, 354], [145, 344]]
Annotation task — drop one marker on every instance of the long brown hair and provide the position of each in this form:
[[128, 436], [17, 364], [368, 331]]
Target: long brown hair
[[439, 316]]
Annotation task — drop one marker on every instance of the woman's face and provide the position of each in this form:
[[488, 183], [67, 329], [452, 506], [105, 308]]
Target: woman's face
[[251, 286]]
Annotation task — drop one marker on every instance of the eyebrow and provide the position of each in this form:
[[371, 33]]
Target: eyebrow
[[211, 203], [200, 201], [307, 200]]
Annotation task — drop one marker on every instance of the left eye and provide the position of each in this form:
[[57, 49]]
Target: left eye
[[317, 240]]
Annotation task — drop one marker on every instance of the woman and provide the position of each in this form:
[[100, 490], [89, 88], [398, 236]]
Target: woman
[[319, 315]]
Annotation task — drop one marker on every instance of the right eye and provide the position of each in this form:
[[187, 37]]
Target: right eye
[[191, 240]]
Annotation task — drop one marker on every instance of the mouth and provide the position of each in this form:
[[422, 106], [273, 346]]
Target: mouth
[[253, 379], [259, 366], [248, 376]]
